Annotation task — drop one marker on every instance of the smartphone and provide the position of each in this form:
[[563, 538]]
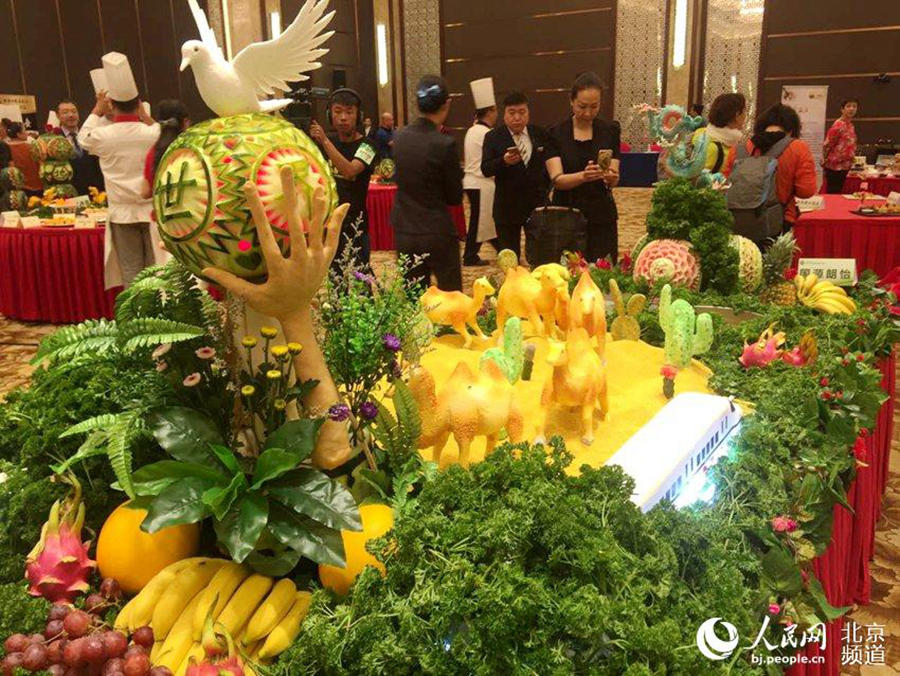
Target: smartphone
[[604, 159]]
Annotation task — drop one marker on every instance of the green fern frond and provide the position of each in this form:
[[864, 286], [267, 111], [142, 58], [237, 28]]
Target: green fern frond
[[99, 422], [150, 332], [409, 421], [211, 307], [384, 429], [93, 337], [142, 290], [121, 438]]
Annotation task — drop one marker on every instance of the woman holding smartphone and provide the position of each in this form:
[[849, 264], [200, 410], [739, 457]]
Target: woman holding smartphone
[[583, 163]]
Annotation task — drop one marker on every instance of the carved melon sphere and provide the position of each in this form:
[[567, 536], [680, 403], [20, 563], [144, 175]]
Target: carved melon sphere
[[198, 196]]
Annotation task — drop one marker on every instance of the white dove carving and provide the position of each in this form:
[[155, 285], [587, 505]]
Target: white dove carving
[[239, 86]]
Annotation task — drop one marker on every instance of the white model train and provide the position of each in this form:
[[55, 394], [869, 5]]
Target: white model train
[[668, 457]]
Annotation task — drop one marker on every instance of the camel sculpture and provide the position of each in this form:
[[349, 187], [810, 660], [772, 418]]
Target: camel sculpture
[[587, 310], [530, 296], [456, 309], [469, 405], [578, 379]]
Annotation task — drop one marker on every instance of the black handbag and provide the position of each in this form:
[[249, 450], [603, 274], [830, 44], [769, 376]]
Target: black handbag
[[552, 230]]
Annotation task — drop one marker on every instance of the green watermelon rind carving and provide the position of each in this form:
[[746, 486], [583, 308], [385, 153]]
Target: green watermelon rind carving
[[231, 150]]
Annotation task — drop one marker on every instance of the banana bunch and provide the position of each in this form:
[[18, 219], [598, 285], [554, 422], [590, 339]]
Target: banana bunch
[[263, 615], [823, 295]]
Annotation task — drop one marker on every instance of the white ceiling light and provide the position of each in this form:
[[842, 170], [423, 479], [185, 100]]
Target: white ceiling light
[[679, 48], [274, 24], [381, 44]]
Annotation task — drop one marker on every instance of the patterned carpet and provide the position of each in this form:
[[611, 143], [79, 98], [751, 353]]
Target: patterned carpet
[[18, 343]]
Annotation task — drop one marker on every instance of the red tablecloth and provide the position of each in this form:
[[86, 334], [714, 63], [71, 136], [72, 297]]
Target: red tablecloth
[[834, 232], [879, 186], [844, 568], [53, 275], [380, 201]]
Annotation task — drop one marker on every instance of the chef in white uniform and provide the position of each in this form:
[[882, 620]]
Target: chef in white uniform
[[479, 189], [122, 146]]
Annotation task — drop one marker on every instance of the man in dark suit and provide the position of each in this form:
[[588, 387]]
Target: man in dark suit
[[85, 166], [429, 180], [514, 156]]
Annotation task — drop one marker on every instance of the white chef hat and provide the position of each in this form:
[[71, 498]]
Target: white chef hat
[[119, 77], [52, 119], [98, 79], [483, 92]]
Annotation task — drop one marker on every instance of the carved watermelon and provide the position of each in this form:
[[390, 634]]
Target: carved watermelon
[[59, 148], [12, 178], [750, 272], [668, 260], [198, 194], [18, 200], [62, 172], [65, 190]]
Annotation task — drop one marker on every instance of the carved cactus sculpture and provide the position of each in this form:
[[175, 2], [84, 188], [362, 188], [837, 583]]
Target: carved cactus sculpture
[[687, 335], [626, 326]]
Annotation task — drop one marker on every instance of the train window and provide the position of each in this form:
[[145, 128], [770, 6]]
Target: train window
[[717, 438]]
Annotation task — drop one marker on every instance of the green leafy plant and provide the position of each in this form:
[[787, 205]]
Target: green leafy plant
[[700, 216], [158, 313], [268, 511]]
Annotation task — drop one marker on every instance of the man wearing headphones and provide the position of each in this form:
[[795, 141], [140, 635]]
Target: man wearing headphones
[[352, 157]]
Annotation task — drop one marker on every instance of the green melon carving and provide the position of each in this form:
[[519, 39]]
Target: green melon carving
[[198, 194], [12, 178], [62, 172], [18, 200], [59, 148], [65, 190]]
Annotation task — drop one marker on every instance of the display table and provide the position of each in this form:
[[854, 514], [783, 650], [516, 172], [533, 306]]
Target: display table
[[380, 201], [834, 232], [638, 170], [53, 275], [844, 567], [881, 185]]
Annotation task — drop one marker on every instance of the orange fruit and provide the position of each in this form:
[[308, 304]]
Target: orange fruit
[[376, 521], [133, 557]]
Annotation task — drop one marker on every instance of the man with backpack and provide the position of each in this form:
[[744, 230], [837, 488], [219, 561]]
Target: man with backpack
[[772, 169]]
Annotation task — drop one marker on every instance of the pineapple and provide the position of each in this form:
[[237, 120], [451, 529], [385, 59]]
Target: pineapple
[[776, 261]]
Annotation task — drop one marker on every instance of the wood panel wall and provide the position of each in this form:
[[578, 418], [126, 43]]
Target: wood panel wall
[[528, 45], [841, 44], [50, 46], [53, 44], [352, 49]]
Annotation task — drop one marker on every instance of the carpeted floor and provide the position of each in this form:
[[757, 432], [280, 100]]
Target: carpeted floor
[[18, 343]]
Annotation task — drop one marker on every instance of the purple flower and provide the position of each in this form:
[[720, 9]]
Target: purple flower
[[339, 412], [368, 410], [363, 277], [392, 342]]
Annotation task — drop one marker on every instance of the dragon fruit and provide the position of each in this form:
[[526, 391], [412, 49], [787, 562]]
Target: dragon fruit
[[58, 567], [765, 350], [668, 260]]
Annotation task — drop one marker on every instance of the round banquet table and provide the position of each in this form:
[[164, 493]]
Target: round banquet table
[[53, 275], [881, 185], [834, 232], [379, 203]]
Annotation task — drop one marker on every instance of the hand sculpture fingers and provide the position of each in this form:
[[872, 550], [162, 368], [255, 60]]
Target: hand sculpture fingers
[[232, 283], [263, 229], [334, 230], [294, 204], [317, 221]]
